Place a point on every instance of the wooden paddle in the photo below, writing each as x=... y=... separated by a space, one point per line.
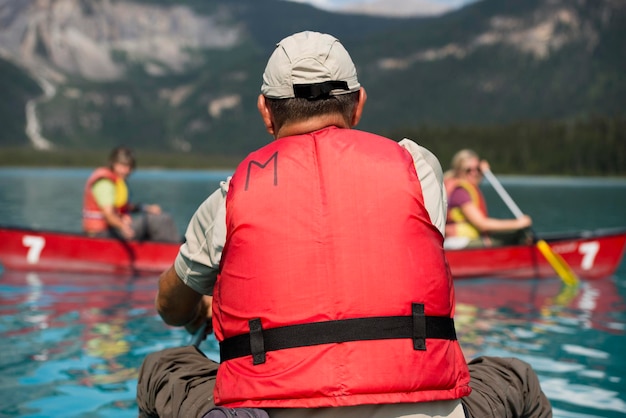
x=557 y=262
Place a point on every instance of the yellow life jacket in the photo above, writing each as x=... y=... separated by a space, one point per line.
x=457 y=224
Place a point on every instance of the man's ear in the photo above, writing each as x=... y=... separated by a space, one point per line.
x=265 y=114
x=358 y=110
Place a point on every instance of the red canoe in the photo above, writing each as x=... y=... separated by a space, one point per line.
x=34 y=250
x=591 y=254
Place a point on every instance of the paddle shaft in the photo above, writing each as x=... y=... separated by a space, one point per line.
x=198 y=336
x=503 y=194
x=560 y=266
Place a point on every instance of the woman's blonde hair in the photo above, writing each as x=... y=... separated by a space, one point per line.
x=460 y=157
x=457 y=161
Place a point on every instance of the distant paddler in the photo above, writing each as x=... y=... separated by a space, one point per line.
x=109 y=212
x=468 y=224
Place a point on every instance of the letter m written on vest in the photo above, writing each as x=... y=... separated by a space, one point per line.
x=255 y=165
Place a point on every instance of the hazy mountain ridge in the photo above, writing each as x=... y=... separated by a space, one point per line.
x=496 y=62
x=185 y=75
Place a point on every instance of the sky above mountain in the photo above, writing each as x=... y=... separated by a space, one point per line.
x=389 y=7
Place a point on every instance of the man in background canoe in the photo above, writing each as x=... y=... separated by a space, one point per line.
x=108 y=211
x=331 y=293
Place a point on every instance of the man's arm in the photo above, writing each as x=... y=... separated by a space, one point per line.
x=177 y=303
x=184 y=289
x=180 y=305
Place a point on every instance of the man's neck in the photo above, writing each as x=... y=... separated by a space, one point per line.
x=311 y=125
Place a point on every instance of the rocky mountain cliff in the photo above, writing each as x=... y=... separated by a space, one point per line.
x=184 y=75
x=97 y=40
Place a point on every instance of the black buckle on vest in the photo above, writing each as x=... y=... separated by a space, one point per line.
x=416 y=327
x=257 y=348
x=419 y=327
x=318 y=90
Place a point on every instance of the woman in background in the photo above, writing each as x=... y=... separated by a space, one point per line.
x=468 y=224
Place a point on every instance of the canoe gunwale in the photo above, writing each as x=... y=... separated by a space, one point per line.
x=76 y=252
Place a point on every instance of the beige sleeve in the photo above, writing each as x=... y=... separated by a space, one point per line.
x=430 y=175
x=199 y=257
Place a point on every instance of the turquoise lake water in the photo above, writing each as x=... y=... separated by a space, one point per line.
x=71 y=344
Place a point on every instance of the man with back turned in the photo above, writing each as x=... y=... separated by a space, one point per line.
x=320 y=263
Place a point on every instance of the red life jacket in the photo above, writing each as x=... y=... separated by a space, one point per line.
x=333 y=287
x=93 y=218
x=456 y=223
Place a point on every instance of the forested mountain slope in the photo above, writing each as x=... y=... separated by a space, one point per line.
x=184 y=75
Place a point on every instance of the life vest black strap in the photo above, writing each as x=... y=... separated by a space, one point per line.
x=417 y=327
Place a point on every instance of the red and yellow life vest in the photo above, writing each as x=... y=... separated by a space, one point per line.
x=457 y=224
x=333 y=287
x=93 y=218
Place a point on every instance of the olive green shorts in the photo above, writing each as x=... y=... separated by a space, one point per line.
x=179 y=382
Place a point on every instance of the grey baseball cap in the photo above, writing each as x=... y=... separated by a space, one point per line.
x=310 y=65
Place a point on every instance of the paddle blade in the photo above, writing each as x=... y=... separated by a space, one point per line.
x=557 y=262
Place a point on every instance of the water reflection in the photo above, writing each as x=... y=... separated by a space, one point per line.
x=71 y=339
x=572 y=337
x=78 y=340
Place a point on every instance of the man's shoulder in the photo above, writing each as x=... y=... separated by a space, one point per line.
x=419 y=152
